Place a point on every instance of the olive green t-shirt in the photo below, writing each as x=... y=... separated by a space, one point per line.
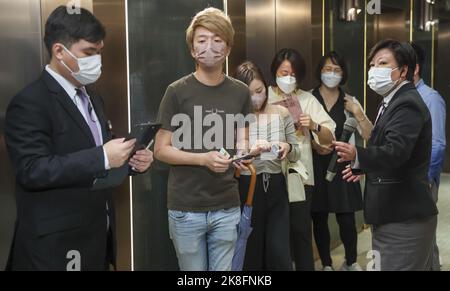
x=195 y=188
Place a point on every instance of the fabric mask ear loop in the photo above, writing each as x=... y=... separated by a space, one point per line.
x=72 y=55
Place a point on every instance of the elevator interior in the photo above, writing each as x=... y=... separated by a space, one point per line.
x=145 y=51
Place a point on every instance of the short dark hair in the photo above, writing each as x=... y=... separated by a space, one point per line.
x=296 y=60
x=420 y=54
x=336 y=59
x=69 y=28
x=403 y=52
x=249 y=71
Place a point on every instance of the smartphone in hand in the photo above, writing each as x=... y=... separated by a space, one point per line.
x=276 y=150
x=243 y=158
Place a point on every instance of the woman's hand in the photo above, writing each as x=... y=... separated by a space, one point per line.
x=346 y=151
x=348 y=175
x=243 y=165
x=284 y=150
x=306 y=121
x=352 y=105
x=260 y=146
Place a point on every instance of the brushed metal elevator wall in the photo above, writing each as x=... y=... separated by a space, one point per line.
x=20 y=64
x=275 y=24
x=272 y=25
x=113 y=87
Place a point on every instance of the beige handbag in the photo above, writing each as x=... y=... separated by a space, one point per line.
x=296 y=175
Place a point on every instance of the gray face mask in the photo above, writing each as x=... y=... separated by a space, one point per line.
x=210 y=53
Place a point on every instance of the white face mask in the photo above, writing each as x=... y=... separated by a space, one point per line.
x=380 y=80
x=287 y=84
x=90 y=68
x=331 y=80
x=258 y=101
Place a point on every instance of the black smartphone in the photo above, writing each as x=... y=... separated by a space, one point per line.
x=243 y=158
x=144 y=133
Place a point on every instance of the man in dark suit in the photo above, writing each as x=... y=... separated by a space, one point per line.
x=60 y=146
x=398 y=201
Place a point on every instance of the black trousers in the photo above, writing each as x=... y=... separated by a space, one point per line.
x=347 y=231
x=268 y=244
x=301 y=233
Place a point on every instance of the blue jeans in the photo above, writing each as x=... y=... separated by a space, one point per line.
x=204 y=241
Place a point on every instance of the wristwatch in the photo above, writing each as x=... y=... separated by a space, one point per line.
x=290 y=148
x=318 y=128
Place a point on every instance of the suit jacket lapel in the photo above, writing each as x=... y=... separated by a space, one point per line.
x=383 y=119
x=68 y=105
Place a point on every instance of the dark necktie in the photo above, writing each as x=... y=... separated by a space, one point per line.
x=381 y=110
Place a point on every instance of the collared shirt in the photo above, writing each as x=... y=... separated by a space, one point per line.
x=386 y=101
x=71 y=91
x=437 y=107
x=388 y=98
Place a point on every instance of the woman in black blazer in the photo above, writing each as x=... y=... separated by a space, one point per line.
x=398 y=201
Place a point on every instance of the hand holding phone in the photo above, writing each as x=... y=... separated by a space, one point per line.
x=215 y=161
x=276 y=150
x=243 y=158
x=281 y=150
x=241 y=163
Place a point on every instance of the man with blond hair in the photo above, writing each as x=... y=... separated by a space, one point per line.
x=203 y=196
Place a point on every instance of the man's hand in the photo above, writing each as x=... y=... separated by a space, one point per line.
x=346 y=151
x=215 y=161
x=141 y=161
x=118 y=151
x=348 y=175
x=306 y=121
